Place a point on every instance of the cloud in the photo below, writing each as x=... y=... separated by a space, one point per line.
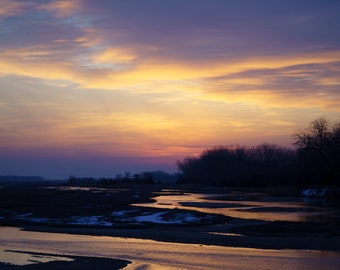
x=114 y=55
x=214 y=29
x=9 y=8
x=305 y=79
x=164 y=78
x=143 y=47
x=313 y=82
x=40 y=115
x=61 y=8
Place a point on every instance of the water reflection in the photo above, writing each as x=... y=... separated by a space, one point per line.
x=24 y=258
x=148 y=254
x=246 y=206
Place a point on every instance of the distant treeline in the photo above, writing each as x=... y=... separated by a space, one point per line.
x=315 y=161
x=143 y=178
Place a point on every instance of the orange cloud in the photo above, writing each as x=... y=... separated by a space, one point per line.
x=114 y=55
x=212 y=80
x=62 y=8
x=10 y=8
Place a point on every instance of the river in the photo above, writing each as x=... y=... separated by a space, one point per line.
x=149 y=254
x=246 y=206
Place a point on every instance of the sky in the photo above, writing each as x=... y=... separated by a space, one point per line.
x=96 y=88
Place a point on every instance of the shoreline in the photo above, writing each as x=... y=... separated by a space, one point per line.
x=33 y=207
x=73 y=262
x=198 y=236
x=216 y=235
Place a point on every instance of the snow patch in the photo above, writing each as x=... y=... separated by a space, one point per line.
x=189 y=218
x=74 y=220
x=126 y=216
x=314 y=192
x=39 y=219
x=22 y=216
x=163 y=218
x=28 y=217
x=153 y=218
x=123 y=213
x=89 y=221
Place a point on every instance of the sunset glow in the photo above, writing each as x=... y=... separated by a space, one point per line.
x=137 y=85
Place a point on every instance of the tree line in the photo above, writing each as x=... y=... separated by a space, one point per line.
x=314 y=161
x=143 y=178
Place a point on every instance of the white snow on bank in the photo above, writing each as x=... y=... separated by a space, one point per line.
x=74 y=220
x=314 y=192
x=153 y=218
x=159 y=218
x=189 y=218
x=40 y=220
x=127 y=216
x=28 y=217
x=23 y=216
x=89 y=221
x=123 y=213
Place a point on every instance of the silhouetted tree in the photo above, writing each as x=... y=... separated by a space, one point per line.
x=239 y=166
x=314 y=138
x=319 y=152
x=273 y=165
x=190 y=170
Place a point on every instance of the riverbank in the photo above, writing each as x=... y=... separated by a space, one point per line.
x=116 y=212
x=237 y=233
x=150 y=254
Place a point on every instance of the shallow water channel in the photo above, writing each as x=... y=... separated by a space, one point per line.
x=247 y=206
x=148 y=254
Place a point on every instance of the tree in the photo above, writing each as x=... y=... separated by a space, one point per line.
x=315 y=137
x=319 y=152
x=239 y=166
x=190 y=168
x=273 y=164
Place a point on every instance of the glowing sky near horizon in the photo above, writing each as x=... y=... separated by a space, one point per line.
x=100 y=87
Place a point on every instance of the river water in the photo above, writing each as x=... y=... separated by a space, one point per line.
x=239 y=206
x=149 y=254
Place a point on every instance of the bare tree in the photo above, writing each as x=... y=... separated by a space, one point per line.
x=315 y=137
x=319 y=148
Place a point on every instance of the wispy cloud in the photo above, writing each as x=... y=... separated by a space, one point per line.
x=61 y=9
x=263 y=79
x=164 y=78
x=9 y=8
